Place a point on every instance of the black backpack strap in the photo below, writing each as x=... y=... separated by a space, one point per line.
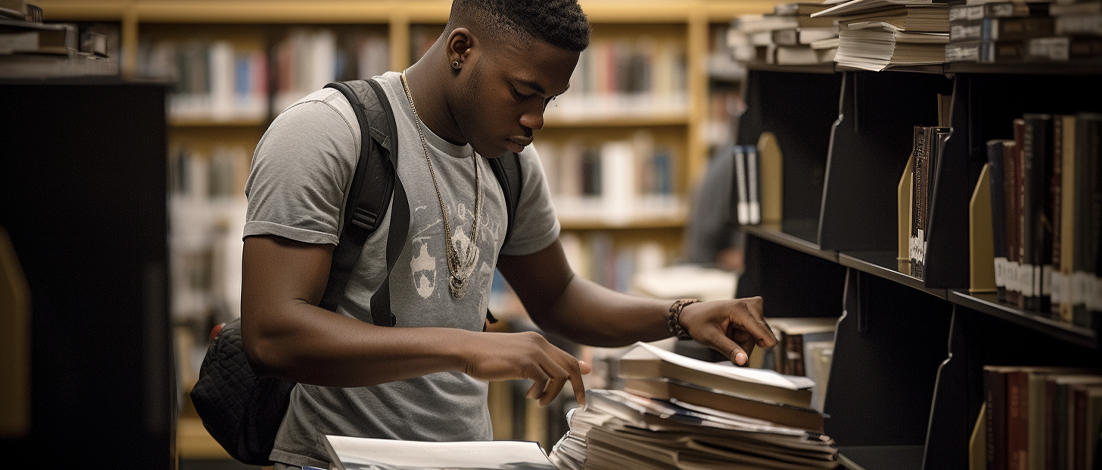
x=369 y=196
x=507 y=170
x=399 y=219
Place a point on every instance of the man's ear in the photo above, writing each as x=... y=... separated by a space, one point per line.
x=459 y=47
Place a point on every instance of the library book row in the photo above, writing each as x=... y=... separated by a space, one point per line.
x=1038 y=418
x=876 y=34
x=218 y=78
x=1035 y=214
x=614 y=181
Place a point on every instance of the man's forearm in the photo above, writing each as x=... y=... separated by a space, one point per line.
x=591 y=314
x=323 y=348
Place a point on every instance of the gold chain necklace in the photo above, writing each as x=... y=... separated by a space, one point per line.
x=460 y=268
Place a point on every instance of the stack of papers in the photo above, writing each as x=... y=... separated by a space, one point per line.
x=678 y=412
x=620 y=430
x=876 y=34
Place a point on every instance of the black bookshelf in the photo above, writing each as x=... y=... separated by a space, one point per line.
x=884 y=264
x=906 y=382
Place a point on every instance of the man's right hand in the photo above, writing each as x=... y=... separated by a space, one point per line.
x=528 y=355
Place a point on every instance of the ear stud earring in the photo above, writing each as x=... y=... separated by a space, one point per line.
x=455 y=64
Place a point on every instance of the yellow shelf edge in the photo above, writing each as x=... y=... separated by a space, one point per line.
x=357 y=11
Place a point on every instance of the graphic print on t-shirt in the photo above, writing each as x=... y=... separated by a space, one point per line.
x=423 y=265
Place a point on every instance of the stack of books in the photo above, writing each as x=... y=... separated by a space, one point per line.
x=989 y=32
x=876 y=34
x=678 y=412
x=788 y=36
x=1001 y=31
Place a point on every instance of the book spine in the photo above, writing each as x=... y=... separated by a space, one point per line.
x=992 y=52
x=1078 y=431
x=1000 y=29
x=998 y=214
x=1067 y=216
x=994 y=385
x=1056 y=195
x=1078 y=8
x=1027 y=215
x=964 y=12
x=795 y=358
x=929 y=153
x=1078 y=25
x=1086 y=275
x=1019 y=229
x=1039 y=130
x=962 y=51
x=1094 y=301
x=1051 y=425
x=1017 y=421
x=1007 y=29
x=1010 y=182
x=916 y=199
x=743 y=207
x=753 y=180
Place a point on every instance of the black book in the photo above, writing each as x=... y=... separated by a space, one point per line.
x=998 y=214
x=1036 y=210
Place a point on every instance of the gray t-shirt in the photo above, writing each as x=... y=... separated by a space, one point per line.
x=301 y=171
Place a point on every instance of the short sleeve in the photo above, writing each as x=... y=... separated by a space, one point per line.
x=301 y=171
x=536 y=226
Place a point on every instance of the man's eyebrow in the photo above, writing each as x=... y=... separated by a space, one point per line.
x=536 y=86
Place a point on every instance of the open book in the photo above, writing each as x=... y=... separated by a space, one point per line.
x=359 y=453
x=648 y=362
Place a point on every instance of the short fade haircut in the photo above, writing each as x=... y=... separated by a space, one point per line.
x=562 y=23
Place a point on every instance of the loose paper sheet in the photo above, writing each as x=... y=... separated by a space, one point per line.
x=761 y=376
x=387 y=454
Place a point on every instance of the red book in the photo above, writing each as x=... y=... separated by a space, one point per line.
x=1017 y=420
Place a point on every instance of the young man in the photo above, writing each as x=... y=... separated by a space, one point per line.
x=479 y=92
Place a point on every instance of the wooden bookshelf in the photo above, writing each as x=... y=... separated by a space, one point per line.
x=905 y=386
x=138 y=18
x=257 y=24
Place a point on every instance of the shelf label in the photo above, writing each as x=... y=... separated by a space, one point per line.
x=918 y=247
x=1011 y=272
x=1094 y=302
x=1000 y=272
x=1059 y=286
x=1026 y=278
x=1080 y=287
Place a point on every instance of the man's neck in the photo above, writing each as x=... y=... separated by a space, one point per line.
x=429 y=84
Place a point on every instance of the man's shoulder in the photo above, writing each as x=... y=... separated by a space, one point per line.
x=325 y=100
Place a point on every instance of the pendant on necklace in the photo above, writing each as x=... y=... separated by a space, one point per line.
x=458 y=287
x=461 y=269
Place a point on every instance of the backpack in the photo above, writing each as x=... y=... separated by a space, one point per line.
x=243 y=412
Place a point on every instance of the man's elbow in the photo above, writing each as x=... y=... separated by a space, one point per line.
x=263 y=352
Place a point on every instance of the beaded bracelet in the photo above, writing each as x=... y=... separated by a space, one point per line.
x=675 y=318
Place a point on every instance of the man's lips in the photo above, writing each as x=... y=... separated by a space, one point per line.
x=516 y=144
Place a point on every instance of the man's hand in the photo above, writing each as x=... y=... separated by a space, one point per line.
x=731 y=327
x=528 y=355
